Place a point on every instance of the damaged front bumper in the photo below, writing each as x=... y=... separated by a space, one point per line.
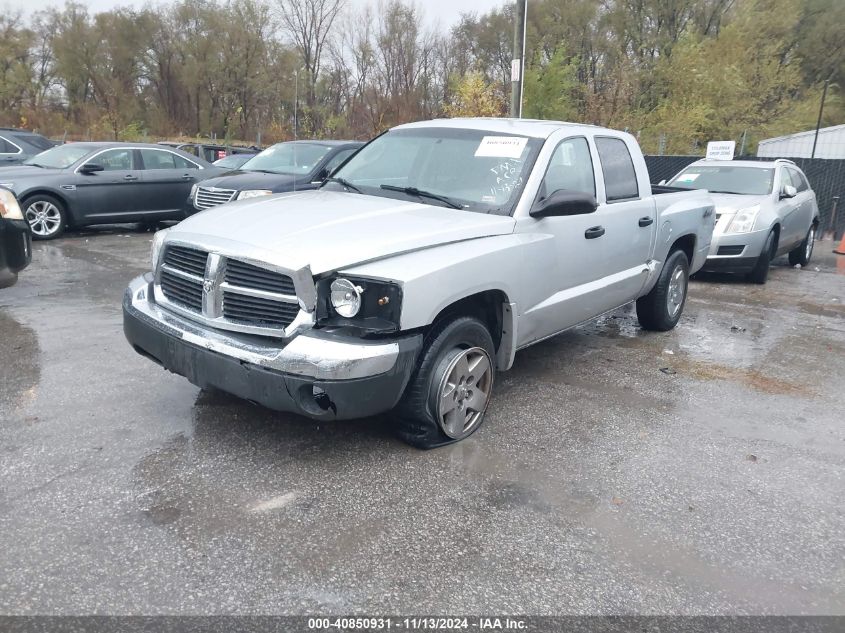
x=317 y=374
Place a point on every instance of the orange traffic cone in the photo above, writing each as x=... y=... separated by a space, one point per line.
x=840 y=250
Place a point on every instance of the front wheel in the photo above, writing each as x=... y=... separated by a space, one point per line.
x=661 y=309
x=447 y=397
x=46 y=216
x=804 y=252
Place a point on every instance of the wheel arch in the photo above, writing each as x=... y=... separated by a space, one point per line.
x=685 y=243
x=44 y=191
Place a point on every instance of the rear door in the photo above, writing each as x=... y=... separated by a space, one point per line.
x=167 y=180
x=114 y=193
x=805 y=198
x=10 y=153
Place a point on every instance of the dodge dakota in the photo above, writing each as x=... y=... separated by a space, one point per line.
x=415 y=273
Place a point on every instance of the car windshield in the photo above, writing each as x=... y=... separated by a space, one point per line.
x=752 y=181
x=59 y=157
x=287 y=158
x=475 y=170
x=233 y=161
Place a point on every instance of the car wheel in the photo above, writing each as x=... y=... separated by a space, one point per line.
x=447 y=397
x=661 y=309
x=760 y=273
x=46 y=217
x=804 y=252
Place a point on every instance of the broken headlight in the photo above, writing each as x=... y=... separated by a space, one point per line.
x=368 y=304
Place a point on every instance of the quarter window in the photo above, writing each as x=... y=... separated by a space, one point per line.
x=7 y=148
x=798 y=180
x=159 y=159
x=620 y=177
x=115 y=160
x=570 y=168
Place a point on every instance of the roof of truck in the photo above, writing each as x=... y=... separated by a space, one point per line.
x=527 y=127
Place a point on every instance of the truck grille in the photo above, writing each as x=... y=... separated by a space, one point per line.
x=207 y=197
x=249 y=276
x=249 y=296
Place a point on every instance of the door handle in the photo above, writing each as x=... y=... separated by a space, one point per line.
x=594 y=232
x=186 y=176
x=130 y=177
x=646 y=221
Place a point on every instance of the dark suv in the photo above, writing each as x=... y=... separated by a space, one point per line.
x=18 y=145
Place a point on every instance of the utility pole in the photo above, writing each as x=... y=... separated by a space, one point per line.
x=819 y=122
x=518 y=63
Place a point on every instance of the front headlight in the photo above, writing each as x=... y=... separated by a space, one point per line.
x=367 y=304
x=743 y=221
x=9 y=207
x=194 y=188
x=253 y=193
x=155 y=251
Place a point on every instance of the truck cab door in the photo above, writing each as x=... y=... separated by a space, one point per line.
x=787 y=209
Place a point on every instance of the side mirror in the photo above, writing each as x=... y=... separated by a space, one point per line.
x=320 y=177
x=788 y=191
x=90 y=168
x=564 y=202
x=662 y=182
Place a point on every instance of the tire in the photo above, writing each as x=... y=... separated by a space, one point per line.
x=804 y=252
x=760 y=272
x=46 y=216
x=427 y=417
x=661 y=309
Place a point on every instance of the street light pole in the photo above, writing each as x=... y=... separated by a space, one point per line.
x=819 y=122
x=518 y=63
x=295 y=99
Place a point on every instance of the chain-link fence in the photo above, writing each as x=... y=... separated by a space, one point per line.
x=826 y=176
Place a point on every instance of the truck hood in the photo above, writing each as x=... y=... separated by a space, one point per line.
x=329 y=230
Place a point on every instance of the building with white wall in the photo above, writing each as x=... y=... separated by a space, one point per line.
x=831 y=144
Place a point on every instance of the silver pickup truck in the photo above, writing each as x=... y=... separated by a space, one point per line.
x=417 y=271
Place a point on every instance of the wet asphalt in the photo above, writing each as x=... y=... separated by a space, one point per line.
x=694 y=472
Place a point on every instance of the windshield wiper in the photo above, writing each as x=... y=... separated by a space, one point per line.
x=344 y=182
x=413 y=191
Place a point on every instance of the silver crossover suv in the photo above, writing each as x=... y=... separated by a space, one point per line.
x=763 y=209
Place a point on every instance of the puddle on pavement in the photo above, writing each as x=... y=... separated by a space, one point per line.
x=20 y=366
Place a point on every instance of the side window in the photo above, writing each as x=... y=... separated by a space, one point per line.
x=798 y=180
x=784 y=179
x=337 y=159
x=620 y=177
x=570 y=167
x=6 y=147
x=115 y=160
x=157 y=159
x=183 y=163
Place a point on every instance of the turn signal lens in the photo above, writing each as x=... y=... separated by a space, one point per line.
x=9 y=207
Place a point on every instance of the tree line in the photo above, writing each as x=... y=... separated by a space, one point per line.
x=676 y=73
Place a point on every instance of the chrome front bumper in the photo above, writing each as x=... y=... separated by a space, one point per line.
x=359 y=377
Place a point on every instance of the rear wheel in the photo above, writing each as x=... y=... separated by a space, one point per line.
x=804 y=252
x=661 y=309
x=760 y=273
x=448 y=395
x=46 y=216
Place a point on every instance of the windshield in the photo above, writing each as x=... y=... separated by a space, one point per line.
x=752 y=181
x=59 y=157
x=477 y=170
x=233 y=161
x=287 y=158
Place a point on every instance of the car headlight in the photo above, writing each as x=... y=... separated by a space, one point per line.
x=253 y=193
x=368 y=304
x=194 y=188
x=158 y=242
x=9 y=207
x=743 y=220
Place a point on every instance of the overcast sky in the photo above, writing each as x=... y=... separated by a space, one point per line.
x=444 y=11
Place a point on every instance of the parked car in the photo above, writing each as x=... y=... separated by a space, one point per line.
x=210 y=152
x=294 y=165
x=16 y=145
x=79 y=184
x=763 y=209
x=232 y=161
x=417 y=271
x=15 y=240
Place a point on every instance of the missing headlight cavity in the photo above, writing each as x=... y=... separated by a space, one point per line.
x=322 y=399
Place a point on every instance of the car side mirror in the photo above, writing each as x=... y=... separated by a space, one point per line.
x=788 y=191
x=564 y=202
x=90 y=168
x=320 y=177
x=662 y=182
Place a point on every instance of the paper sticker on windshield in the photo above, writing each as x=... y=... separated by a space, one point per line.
x=687 y=177
x=501 y=146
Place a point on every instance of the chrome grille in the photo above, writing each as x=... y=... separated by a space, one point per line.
x=188 y=260
x=183 y=291
x=249 y=276
x=258 y=310
x=207 y=197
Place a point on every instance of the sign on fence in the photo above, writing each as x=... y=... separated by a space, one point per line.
x=721 y=150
